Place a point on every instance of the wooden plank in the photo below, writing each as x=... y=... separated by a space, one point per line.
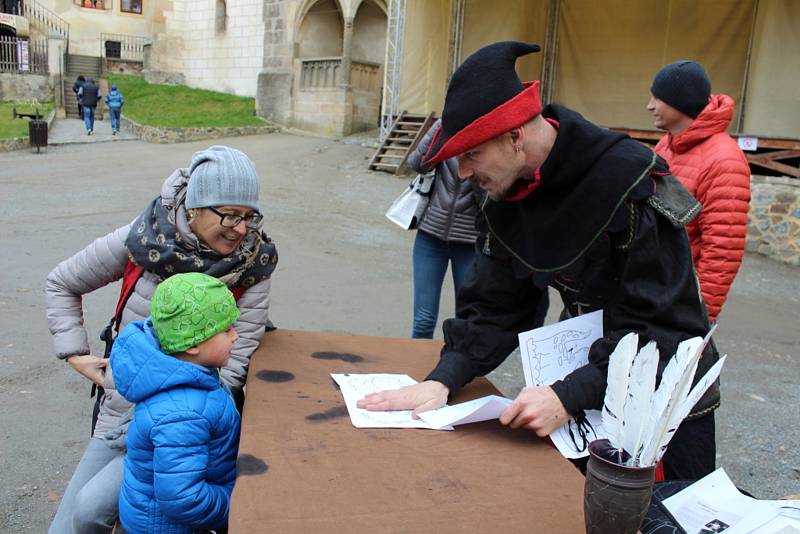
x=429 y=120
x=385 y=143
x=781 y=143
x=648 y=135
x=303 y=467
x=779 y=154
x=778 y=143
x=773 y=165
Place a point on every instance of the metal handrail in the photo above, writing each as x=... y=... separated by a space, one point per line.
x=131 y=46
x=38 y=14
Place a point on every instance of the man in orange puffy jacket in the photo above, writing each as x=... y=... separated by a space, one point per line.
x=711 y=166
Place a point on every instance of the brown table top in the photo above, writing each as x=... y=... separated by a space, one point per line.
x=303 y=467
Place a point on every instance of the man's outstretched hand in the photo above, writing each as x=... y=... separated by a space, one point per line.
x=428 y=395
x=538 y=409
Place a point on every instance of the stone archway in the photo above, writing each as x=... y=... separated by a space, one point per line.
x=338 y=49
x=320 y=30
x=368 y=51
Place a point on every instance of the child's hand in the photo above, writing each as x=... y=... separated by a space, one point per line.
x=90 y=366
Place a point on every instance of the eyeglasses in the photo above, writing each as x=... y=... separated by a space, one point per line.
x=229 y=220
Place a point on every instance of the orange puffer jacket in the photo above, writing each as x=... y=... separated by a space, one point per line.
x=713 y=168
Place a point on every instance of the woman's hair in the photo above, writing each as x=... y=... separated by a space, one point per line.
x=81 y=78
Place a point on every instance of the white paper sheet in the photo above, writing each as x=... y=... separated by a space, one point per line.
x=355 y=386
x=577 y=445
x=713 y=504
x=550 y=353
x=474 y=411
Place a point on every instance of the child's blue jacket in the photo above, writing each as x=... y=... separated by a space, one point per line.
x=115 y=100
x=182 y=444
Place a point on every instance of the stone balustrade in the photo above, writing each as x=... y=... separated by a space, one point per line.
x=325 y=73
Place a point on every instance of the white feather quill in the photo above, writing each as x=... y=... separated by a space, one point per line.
x=694 y=396
x=641 y=385
x=676 y=382
x=619 y=365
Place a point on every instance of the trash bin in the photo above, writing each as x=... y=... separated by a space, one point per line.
x=37 y=133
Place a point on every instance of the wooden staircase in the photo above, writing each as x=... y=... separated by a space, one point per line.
x=406 y=132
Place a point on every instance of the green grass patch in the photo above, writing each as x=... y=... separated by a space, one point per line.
x=10 y=127
x=178 y=106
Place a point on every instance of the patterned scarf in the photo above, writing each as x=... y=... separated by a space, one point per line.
x=161 y=242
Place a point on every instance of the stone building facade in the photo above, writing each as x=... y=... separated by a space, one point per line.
x=313 y=64
x=209 y=44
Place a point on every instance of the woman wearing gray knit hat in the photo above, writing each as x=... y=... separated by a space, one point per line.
x=205 y=220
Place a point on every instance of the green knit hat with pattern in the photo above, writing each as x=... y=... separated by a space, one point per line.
x=189 y=308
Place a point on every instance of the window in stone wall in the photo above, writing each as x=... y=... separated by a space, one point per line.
x=131 y=6
x=95 y=4
x=221 y=19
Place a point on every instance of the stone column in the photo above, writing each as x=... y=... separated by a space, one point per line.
x=56 y=46
x=347 y=53
x=274 y=91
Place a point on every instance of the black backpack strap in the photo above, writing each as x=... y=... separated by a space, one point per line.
x=129 y=278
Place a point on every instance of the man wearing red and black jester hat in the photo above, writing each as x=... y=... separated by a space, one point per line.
x=572 y=206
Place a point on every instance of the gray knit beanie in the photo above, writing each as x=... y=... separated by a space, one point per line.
x=684 y=85
x=222 y=176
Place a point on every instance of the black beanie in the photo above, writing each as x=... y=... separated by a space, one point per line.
x=684 y=85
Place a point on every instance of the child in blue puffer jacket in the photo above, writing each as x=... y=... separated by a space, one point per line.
x=115 y=101
x=180 y=467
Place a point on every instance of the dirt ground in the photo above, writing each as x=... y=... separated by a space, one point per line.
x=343 y=268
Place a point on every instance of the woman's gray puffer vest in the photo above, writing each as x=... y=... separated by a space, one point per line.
x=453 y=205
x=103 y=262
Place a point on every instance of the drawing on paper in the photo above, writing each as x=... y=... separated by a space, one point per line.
x=567 y=349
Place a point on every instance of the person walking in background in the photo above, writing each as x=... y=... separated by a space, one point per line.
x=90 y=95
x=79 y=82
x=711 y=166
x=445 y=235
x=115 y=101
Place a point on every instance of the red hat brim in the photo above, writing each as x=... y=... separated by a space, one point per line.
x=505 y=117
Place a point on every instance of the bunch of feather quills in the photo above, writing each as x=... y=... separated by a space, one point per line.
x=639 y=419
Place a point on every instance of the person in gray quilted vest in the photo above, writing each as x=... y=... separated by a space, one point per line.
x=446 y=235
x=206 y=219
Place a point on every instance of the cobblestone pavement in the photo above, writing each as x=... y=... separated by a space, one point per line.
x=343 y=268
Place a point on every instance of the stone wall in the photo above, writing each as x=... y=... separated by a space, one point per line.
x=210 y=54
x=154 y=134
x=366 y=110
x=336 y=112
x=774 y=226
x=25 y=87
x=118 y=66
x=324 y=111
x=8 y=144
